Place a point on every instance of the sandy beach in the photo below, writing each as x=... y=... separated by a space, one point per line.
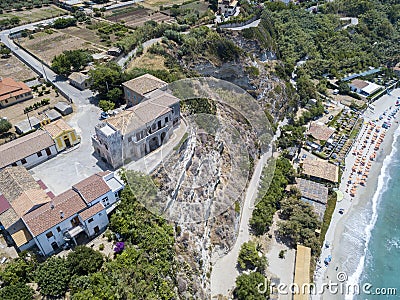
x=358 y=184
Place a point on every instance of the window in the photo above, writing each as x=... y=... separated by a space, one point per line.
x=90 y=220
x=39 y=154
x=6 y=101
x=129 y=139
x=14 y=164
x=23 y=161
x=166 y=120
x=105 y=201
x=48 y=152
x=49 y=234
x=58 y=229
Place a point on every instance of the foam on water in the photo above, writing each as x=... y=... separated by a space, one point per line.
x=383 y=179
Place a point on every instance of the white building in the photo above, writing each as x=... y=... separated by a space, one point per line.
x=227 y=7
x=27 y=151
x=31 y=217
x=364 y=88
x=140 y=129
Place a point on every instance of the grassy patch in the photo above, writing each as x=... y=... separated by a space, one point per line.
x=183 y=139
x=330 y=208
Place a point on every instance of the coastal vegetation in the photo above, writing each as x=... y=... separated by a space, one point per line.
x=145 y=269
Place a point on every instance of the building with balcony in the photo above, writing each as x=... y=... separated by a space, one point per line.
x=138 y=130
x=30 y=217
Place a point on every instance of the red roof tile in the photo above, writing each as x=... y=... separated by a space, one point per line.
x=91 y=211
x=49 y=214
x=92 y=187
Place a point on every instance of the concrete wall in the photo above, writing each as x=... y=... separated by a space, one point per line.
x=131 y=97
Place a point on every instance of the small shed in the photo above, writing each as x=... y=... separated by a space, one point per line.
x=53 y=115
x=114 y=51
x=27 y=125
x=63 y=108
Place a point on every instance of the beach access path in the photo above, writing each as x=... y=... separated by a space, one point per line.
x=325 y=273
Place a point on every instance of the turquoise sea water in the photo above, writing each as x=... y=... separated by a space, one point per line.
x=381 y=266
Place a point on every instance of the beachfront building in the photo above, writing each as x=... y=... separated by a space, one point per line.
x=12 y=92
x=302 y=272
x=313 y=193
x=28 y=151
x=140 y=129
x=227 y=7
x=63 y=135
x=31 y=218
x=319 y=169
x=320 y=131
x=364 y=88
x=138 y=89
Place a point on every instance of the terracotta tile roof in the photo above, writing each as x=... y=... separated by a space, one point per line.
x=320 y=131
x=11 y=88
x=360 y=84
x=9 y=217
x=21 y=192
x=57 y=127
x=321 y=169
x=91 y=211
x=28 y=200
x=143 y=114
x=24 y=146
x=48 y=215
x=92 y=187
x=144 y=84
x=16 y=180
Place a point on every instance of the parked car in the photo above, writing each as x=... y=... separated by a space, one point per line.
x=330 y=117
x=104 y=115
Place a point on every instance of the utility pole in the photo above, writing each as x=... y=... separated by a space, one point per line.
x=27 y=114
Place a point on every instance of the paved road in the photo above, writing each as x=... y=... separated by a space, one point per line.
x=70 y=92
x=252 y=24
x=122 y=62
x=224 y=271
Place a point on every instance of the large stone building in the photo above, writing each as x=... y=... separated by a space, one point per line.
x=12 y=92
x=138 y=130
x=30 y=217
x=140 y=88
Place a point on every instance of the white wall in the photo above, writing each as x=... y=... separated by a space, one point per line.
x=34 y=159
x=100 y=219
x=44 y=243
x=111 y=199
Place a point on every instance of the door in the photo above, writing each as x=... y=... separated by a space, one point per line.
x=48 y=152
x=75 y=221
x=67 y=141
x=54 y=245
x=96 y=230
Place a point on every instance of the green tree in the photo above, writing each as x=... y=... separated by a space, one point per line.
x=114 y=95
x=53 y=277
x=249 y=258
x=106 y=77
x=251 y=287
x=70 y=61
x=106 y=105
x=5 y=126
x=18 y=291
x=84 y=260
